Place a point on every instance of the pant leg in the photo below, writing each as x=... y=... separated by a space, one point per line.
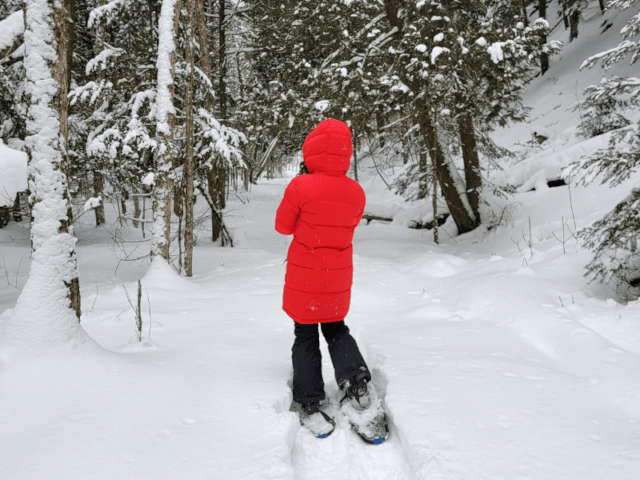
x=345 y=355
x=308 y=385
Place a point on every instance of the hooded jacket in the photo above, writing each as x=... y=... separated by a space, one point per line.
x=321 y=210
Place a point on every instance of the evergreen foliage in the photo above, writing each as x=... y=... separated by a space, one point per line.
x=614 y=239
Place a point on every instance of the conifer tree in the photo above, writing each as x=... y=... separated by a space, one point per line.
x=614 y=238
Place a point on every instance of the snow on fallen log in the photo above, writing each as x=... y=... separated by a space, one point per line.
x=13 y=165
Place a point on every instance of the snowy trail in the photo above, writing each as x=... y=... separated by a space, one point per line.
x=343 y=455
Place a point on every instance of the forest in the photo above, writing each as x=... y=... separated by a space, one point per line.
x=144 y=147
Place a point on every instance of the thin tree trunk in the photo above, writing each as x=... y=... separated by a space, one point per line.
x=168 y=26
x=525 y=16
x=422 y=178
x=473 y=177
x=544 y=57
x=565 y=19
x=602 y=6
x=222 y=48
x=98 y=187
x=203 y=40
x=188 y=160
x=355 y=156
x=136 y=209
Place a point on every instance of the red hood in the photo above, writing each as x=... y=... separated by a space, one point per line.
x=327 y=149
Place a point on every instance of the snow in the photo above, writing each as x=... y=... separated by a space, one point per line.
x=495 y=50
x=476 y=345
x=13 y=165
x=493 y=356
x=11 y=28
x=92 y=203
x=436 y=52
x=149 y=179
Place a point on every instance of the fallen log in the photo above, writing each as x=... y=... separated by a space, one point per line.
x=368 y=217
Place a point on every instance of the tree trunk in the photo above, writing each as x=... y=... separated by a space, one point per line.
x=574 y=19
x=544 y=57
x=203 y=40
x=216 y=187
x=448 y=177
x=525 y=16
x=602 y=6
x=136 y=208
x=381 y=122
x=355 y=155
x=223 y=67
x=188 y=160
x=565 y=19
x=473 y=177
x=48 y=309
x=422 y=179
x=98 y=187
x=456 y=201
x=165 y=127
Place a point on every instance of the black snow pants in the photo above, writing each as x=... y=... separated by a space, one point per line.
x=308 y=386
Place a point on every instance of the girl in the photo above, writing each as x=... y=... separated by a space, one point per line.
x=322 y=209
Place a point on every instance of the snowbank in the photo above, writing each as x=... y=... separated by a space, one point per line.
x=13 y=165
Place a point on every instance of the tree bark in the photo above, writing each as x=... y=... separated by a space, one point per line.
x=422 y=179
x=473 y=177
x=188 y=160
x=98 y=187
x=544 y=57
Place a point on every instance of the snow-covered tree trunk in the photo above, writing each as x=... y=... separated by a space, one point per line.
x=48 y=310
x=165 y=127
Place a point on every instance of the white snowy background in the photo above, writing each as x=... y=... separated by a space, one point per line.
x=495 y=357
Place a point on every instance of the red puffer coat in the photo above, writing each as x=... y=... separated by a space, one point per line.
x=322 y=210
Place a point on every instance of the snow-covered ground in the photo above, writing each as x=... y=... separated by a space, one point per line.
x=495 y=358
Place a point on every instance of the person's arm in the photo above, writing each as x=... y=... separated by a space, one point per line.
x=288 y=211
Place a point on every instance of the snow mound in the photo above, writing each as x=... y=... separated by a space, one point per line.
x=13 y=165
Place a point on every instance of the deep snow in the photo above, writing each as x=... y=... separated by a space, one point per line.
x=495 y=358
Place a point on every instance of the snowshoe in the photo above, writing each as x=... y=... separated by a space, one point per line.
x=314 y=419
x=363 y=408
